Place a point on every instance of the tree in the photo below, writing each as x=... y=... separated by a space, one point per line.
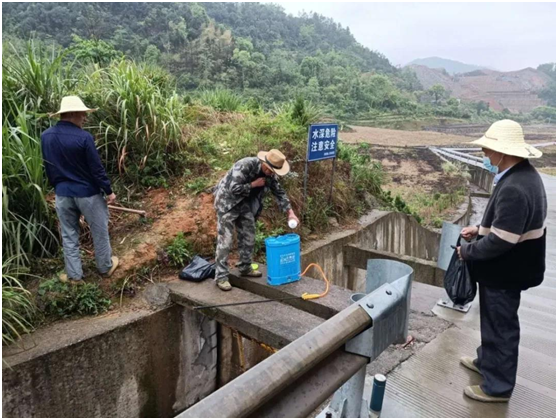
x=544 y=113
x=97 y=51
x=152 y=54
x=481 y=106
x=548 y=93
x=437 y=92
x=408 y=80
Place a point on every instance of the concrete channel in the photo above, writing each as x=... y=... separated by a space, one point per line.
x=159 y=362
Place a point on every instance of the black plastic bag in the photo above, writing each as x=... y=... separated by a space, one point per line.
x=457 y=281
x=198 y=270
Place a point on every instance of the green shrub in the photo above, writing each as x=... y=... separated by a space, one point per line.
x=397 y=203
x=262 y=233
x=366 y=175
x=318 y=211
x=63 y=299
x=198 y=185
x=180 y=250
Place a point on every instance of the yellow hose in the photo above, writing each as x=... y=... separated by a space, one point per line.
x=308 y=296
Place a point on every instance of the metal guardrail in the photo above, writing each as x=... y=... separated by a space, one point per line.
x=294 y=381
x=471 y=161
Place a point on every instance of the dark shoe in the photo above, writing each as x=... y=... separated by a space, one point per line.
x=476 y=393
x=469 y=363
x=224 y=285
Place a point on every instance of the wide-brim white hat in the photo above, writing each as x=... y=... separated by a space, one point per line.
x=506 y=136
x=72 y=104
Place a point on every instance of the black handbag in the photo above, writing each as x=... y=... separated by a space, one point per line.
x=459 y=286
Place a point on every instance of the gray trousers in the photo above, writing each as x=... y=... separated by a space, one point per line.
x=95 y=211
x=241 y=217
x=499 y=351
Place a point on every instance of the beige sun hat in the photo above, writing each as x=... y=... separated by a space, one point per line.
x=506 y=136
x=276 y=161
x=72 y=104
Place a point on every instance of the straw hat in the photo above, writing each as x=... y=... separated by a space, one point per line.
x=72 y=104
x=276 y=161
x=506 y=136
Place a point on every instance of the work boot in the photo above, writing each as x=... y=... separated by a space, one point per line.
x=224 y=285
x=115 y=263
x=63 y=277
x=250 y=273
x=476 y=393
x=469 y=363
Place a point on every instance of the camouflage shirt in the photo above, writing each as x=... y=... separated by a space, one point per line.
x=235 y=187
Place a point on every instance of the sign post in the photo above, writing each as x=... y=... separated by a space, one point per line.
x=322 y=144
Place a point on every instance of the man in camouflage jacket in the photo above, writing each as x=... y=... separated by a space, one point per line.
x=239 y=201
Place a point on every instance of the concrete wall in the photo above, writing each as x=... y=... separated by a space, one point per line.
x=385 y=231
x=151 y=364
x=426 y=272
x=481 y=178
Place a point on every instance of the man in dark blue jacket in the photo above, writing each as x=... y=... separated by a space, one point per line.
x=74 y=169
x=508 y=256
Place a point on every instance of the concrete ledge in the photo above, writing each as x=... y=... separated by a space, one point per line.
x=426 y=272
x=335 y=301
x=273 y=323
x=480 y=194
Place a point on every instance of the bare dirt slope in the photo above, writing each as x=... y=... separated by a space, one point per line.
x=515 y=90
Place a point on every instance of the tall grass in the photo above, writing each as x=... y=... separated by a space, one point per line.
x=138 y=124
x=17 y=306
x=27 y=220
x=37 y=77
x=222 y=100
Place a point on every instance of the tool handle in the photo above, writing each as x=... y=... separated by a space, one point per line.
x=126 y=210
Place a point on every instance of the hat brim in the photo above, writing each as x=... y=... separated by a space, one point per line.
x=284 y=170
x=64 y=111
x=524 y=151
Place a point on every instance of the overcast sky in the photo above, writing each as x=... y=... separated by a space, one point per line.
x=503 y=36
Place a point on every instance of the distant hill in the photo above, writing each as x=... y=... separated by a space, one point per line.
x=515 y=90
x=451 y=66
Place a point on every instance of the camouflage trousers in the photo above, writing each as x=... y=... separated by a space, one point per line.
x=241 y=217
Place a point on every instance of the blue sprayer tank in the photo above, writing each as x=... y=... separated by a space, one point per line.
x=283 y=259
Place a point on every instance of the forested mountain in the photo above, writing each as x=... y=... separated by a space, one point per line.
x=133 y=27
x=249 y=47
x=254 y=49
